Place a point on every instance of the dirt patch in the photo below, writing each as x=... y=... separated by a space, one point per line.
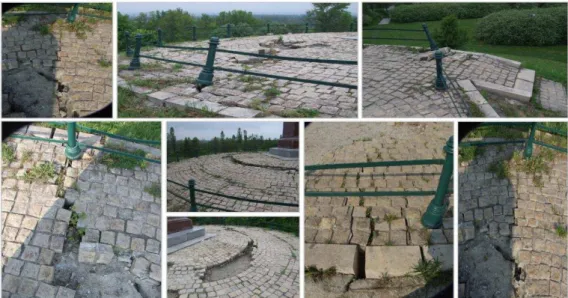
x=232 y=267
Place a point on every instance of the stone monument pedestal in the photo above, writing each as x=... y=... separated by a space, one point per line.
x=288 y=143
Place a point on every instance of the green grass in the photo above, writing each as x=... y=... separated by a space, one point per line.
x=137 y=130
x=104 y=63
x=319 y=274
x=8 y=154
x=131 y=106
x=561 y=231
x=154 y=190
x=43 y=29
x=300 y=113
x=119 y=161
x=548 y=62
x=470 y=153
x=499 y=168
x=429 y=270
x=40 y=173
x=177 y=67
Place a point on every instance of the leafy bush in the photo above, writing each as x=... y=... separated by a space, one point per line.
x=449 y=34
x=423 y=12
x=242 y=30
x=527 y=27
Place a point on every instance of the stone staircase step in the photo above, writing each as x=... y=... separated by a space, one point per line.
x=191 y=242
x=478 y=99
x=344 y=258
x=185 y=235
x=518 y=94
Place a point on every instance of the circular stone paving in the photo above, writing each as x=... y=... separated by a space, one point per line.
x=230 y=174
x=272 y=267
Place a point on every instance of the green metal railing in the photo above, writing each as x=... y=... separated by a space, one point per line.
x=428 y=36
x=205 y=78
x=193 y=205
x=71 y=10
x=432 y=218
x=529 y=142
x=74 y=149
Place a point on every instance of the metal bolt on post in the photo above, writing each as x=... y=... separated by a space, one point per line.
x=433 y=216
x=72 y=151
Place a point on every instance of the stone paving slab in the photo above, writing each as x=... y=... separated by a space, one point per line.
x=57 y=74
x=219 y=173
x=231 y=91
x=273 y=272
x=552 y=96
x=345 y=258
x=383 y=261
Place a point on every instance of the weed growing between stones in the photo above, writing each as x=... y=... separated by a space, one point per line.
x=104 y=63
x=474 y=110
x=431 y=272
x=40 y=173
x=470 y=153
x=8 y=154
x=390 y=218
x=74 y=234
x=537 y=165
x=113 y=160
x=300 y=113
x=177 y=67
x=500 y=168
x=43 y=29
x=26 y=156
x=154 y=190
x=319 y=274
x=561 y=231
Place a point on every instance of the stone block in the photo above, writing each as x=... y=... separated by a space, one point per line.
x=344 y=258
x=140 y=267
x=87 y=252
x=46 y=291
x=443 y=253
x=391 y=260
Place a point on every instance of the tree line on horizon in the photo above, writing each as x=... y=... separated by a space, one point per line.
x=178 y=149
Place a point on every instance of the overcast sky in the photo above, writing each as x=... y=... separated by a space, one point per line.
x=209 y=130
x=198 y=8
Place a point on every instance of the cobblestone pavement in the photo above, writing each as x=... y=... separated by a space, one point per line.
x=220 y=173
x=384 y=233
x=233 y=90
x=58 y=74
x=397 y=83
x=508 y=244
x=273 y=271
x=44 y=252
x=552 y=96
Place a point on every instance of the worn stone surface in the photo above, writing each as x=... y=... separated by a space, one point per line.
x=508 y=239
x=59 y=74
x=257 y=176
x=552 y=96
x=385 y=226
x=344 y=258
x=274 y=270
x=232 y=90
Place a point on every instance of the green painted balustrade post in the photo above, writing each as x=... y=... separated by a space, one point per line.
x=135 y=62
x=228 y=30
x=432 y=218
x=193 y=205
x=206 y=75
x=440 y=80
x=194 y=33
x=433 y=46
x=307 y=25
x=128 y=48
x=72 y=151
x=160 y=37
x=73 y=13
x=268 y=28
x=351 y=27
x=530 y=141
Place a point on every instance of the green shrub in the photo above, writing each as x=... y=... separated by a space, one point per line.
x=526 y=27
x=449 y=34
x=423 y=12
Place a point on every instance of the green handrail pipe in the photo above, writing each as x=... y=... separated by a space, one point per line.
x=72 y=151
x=135 y=62
x=193 y=205
x=433 y=46
x=530 y=141
x=433 y=216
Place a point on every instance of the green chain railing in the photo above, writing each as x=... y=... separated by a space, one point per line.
x=205 y=78
x=74 y=149
x=193 y=203
x=529 y=142
x=71 y=10
x=432 y=218
x=424 y=29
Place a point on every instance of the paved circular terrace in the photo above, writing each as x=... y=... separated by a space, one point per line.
x=272 y=272
x=246 y=97
x=398 y=81
x=387 y=229
x=57 y=74
x=221 y=174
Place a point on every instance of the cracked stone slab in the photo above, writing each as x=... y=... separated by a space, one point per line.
x=390 y=260
x=344 y=258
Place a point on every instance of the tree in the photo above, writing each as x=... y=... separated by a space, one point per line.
x=195 y=147
x=330 y=17
x=221 y=142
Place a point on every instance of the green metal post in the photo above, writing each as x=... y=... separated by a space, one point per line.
x=128 y=48
x=351 y=27
x=160 y=37
x=72 y=151
x=73 y=13
x=440 y=80
x=268 y=28
x=307 y=25
x=135 y=62
x=432 y=218
x=433 y=46
x=228 y=30
x=206 y=76
x=193 y=205
x=194 y=33
x=529 y=146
